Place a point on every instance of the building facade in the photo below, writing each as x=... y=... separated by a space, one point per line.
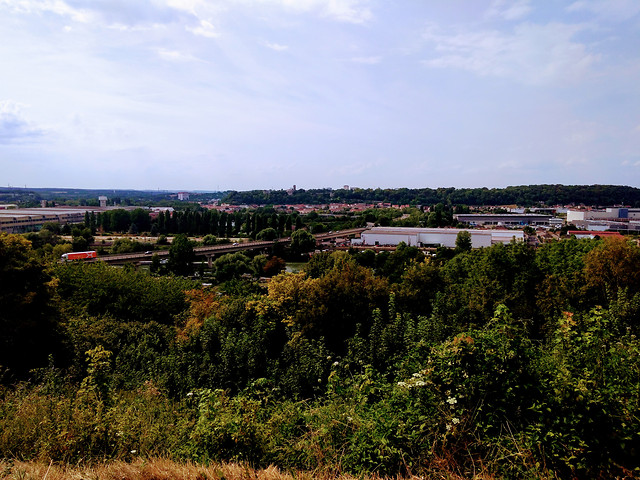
x=434 y=237
x=503 y=220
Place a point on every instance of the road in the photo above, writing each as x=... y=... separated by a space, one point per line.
x=215 y=250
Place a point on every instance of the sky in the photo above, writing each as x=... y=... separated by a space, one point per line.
x=266 y=94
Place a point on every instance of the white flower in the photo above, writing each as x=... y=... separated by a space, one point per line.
x=134 y=451
x=452 y=400
x=455 y=421
x=335 y=364
x=190 y=394
x=416 y=375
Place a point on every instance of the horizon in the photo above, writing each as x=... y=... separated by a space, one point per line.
x=233 y=95
x=298 y=188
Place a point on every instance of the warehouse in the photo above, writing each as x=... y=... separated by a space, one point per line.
x=434 y=237
x=505 y=219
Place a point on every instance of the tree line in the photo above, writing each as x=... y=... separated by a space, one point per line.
x=524 y=195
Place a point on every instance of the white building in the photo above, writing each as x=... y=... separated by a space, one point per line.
x=435 y=237
x=503 y=219
x=607 y=214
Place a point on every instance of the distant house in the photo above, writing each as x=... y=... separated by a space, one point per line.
x=184 y=196
x=591 y=234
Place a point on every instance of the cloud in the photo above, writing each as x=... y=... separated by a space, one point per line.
x=14 y=127
x=276 y=46
x=176 y=56
x=629 y=163
x=616 y=10
x=39 y=7
x=509 y=10
x=351 y=11
x=114 y=14
x=348 y=11
x=531 y=54
x=205 y=29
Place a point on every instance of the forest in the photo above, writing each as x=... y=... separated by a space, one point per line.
x=507 y=361
x=525 y=195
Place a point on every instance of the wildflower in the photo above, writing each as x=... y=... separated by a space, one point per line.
x=190 y=394
x=448 y=427
x=402 y=384
x=452 y=400
x=420 y=383
x=134 y=451
x=455 y=421
x=416 y=375
x=335 y=364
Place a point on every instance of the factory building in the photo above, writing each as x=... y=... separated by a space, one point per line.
x=503 y=220
x=434 y=237
x=615 y=218
x=611 y=214
x=22 y=220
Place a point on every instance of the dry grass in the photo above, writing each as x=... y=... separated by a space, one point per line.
x=162 y=469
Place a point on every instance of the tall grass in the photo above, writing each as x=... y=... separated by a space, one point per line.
x=164 y=469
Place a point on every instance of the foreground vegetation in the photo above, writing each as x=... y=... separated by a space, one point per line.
x=505 y=361
x=163 y=469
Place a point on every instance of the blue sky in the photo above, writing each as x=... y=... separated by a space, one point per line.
x=244 y=94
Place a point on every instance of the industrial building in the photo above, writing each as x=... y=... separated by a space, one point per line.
x=614 y=218
x=612 y=214
x=503 y=219
x=21 y=220
x=434 y=237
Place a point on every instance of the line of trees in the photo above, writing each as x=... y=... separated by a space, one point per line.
x=193 y=222
x=524 y=195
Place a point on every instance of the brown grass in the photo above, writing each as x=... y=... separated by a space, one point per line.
x=162 y=469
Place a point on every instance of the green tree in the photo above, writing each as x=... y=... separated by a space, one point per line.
x=181 y=256
x=209 y=240
x=463 y=242
x=302 y=242
x=267 y=234
x=231 y=265
x=613 y=264
x=28 y=317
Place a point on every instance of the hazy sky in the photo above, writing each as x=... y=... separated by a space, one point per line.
x=243 y=94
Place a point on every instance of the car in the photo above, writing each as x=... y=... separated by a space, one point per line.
x=148 y=252
x=235 y=243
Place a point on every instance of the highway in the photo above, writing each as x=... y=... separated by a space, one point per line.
x=216 y=250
